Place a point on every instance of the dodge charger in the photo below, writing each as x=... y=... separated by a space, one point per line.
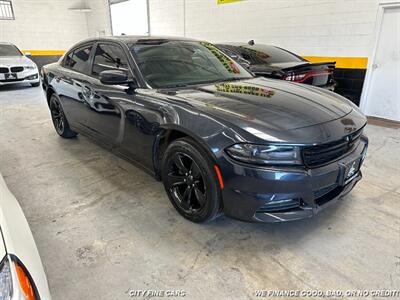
x=220 y=139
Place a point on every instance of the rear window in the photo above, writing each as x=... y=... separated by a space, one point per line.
x=9 y=50
x=261 y=54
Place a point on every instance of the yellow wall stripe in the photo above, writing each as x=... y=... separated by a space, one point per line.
x=227 y=1
x=342 y=62
x=45 y=52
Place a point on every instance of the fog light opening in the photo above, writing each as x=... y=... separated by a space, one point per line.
x=32 y=77
x=280 y=205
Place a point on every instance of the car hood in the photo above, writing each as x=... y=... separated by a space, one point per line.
x=9 y=61
x=267 y=103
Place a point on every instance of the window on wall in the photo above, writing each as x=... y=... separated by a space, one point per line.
x=6 y=10
x=129 y=17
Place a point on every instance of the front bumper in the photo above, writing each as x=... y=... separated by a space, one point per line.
x=26 y=76
x=248 y=190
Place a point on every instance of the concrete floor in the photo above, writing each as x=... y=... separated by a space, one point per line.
x=103 y=226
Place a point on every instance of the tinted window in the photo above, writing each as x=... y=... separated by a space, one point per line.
x=80 y=59
x=67 y=59
x=166 y=63
x=9 y=50
x=261 y=54
x=109 y=57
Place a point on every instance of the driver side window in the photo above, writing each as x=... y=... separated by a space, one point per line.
x=109 y=57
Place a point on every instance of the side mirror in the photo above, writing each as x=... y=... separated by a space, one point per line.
x=28 y=54
x=111 y=77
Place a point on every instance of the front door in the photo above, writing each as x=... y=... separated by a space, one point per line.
x=104 y=111
x=381 y=95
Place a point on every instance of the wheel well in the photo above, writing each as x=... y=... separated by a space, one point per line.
x=49 y=92
x=167 y=138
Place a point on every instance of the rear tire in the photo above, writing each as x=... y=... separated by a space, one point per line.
x=59 y=120
x=190 y=181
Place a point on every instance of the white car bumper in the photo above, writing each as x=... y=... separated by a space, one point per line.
x=25 y=76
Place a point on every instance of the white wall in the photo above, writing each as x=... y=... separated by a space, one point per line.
x=51 y=25
x=99 y=19
x=307 y=27
x=41 y=24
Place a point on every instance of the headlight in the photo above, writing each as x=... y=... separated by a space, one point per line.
x=15 y=281
x=5 y=279
x=30 y=67
x=266 y=154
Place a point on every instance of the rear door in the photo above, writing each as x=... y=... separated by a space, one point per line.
x=70 y=83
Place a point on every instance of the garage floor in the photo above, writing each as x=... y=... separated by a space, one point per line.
x=104 y=227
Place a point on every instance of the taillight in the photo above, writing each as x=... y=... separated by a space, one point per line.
x=301 y=77
x=295 y=77
x=25 y=283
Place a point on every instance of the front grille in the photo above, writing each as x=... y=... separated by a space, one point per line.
x=3 y=70
x=12 y=80
x=17 y=69
x=322 y=154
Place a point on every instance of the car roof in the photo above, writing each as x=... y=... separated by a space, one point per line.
x=131 y=39
x=6 y=43
x=237 y=44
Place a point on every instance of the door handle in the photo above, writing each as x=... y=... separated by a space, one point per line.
x=375 y=66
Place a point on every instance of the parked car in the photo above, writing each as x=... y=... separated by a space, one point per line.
x=220 y=139
x=15 y=67
x=21 y=271
x=274 y=62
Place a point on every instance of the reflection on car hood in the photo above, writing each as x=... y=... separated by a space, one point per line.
x=9 y=61
x=268 y=103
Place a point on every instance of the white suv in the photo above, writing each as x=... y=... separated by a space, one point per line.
x=15 y=67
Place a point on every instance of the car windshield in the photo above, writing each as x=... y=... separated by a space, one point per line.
x=9 y=50
x=166 y=64
x=261 y=54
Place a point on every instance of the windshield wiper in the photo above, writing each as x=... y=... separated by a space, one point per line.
x=171 y=86
x=235 y=79
x=202 y=82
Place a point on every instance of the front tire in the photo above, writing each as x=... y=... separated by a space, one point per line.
x=59 y=120
x=190 y=181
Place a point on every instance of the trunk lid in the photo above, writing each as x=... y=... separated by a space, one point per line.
x=318 y=74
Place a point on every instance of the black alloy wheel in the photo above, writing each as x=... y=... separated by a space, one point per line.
x=186 y=183
x=59 y=120
x=190 y=181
